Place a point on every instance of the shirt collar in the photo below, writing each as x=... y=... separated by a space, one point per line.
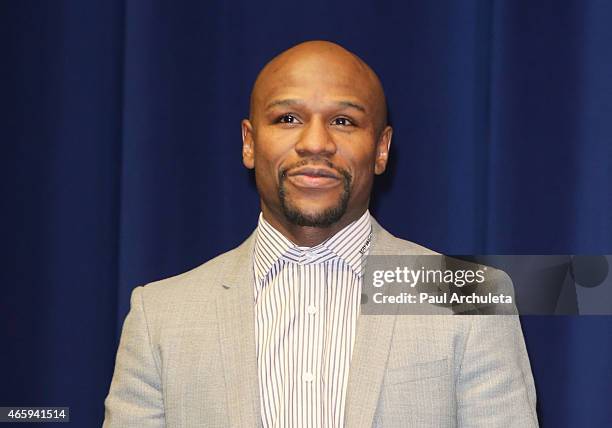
x=350 y=244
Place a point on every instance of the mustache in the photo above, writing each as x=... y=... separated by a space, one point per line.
x=314 y=162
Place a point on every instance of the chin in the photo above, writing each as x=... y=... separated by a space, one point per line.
x=309 y=216
x=317 y=209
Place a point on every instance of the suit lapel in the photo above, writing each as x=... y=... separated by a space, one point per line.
x=237 y=339
x=368 y=363
x=370 y=353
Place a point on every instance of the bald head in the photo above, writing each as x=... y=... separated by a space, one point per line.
x=323 y=64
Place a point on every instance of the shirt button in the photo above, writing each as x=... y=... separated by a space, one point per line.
x=308 y=377
x=312 y=310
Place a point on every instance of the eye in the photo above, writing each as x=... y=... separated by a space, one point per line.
x=287 y=118
x=342 y=121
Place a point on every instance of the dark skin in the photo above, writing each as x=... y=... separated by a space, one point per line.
x=318 y=131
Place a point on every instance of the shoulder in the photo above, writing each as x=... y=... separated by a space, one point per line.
x=384 y=243
x=203 y=281
x=496 y=281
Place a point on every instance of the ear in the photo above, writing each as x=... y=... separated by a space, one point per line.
x=382 y=150
x=248 y=152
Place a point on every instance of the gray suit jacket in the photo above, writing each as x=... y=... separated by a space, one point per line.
x=187 y=358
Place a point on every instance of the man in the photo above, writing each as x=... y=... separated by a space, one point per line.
x=270 y=334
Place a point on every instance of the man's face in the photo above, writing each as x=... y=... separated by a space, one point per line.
x=314 y=139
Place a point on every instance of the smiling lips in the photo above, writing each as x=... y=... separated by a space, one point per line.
x=314 y=178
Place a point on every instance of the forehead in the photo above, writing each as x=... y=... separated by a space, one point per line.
x=315 y=78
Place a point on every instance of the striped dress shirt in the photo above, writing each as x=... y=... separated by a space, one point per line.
x=306 y=308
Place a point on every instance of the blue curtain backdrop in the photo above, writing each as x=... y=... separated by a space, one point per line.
x=121 y=161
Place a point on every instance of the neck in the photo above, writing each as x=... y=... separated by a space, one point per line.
x=306 y=236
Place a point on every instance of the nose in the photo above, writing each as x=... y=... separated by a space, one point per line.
x=315 y=139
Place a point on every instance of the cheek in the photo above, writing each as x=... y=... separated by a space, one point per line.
x=269 y=157
x=265 y=173
x=361 y=165
x=363 y=181
x=271 y=147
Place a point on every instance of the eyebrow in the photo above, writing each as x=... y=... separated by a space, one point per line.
x=293 y=102
x=352 y=105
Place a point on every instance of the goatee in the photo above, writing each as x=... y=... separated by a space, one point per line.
x=321 y=219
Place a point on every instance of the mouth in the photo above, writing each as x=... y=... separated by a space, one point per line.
x=314 y=178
